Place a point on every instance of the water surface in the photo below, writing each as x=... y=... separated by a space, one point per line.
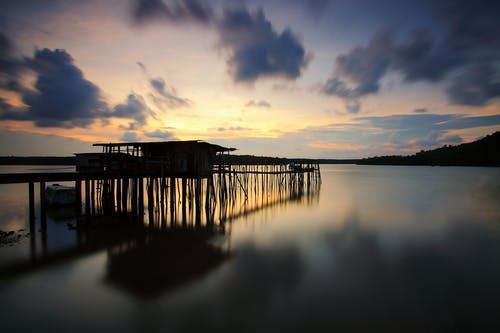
x=378 y=248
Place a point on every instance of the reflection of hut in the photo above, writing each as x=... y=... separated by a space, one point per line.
x=188 y=159
x=162 y=261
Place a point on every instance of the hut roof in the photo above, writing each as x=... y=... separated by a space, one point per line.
x=166 y=145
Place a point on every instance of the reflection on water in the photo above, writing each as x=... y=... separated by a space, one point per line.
x=161 y=261
x=381 y=249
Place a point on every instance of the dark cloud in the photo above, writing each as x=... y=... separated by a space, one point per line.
x=141 y=66
x=420 y=57
x=358 y=72
x=257 y=50
x=146 y=11
x=10 y=66
x=168 y=95
x=134 y=108
x=362 y=68
x=420 y=110
x=468 y=41
x=5 y=57
x=62 y=96
x=258 y=104
x=475 y=86
x=161 y=134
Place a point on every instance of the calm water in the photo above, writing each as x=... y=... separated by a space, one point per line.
x=377 y=249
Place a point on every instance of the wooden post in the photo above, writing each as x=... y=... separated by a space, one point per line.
x=141 y=196
x=183 y=200
x=92 y=195
x=119 y=195
x=172 y=200
x=197 y=201
x=43 y=212
x=149 y=188
x=43 y=217
x=125 y=195
x=87 y=197
x=106 y=204
x=134 y=195
x=31 y=190
x=78 y=192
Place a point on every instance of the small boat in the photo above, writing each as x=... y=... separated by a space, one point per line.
x=56 y=194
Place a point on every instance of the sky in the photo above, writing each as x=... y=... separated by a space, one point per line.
x=313 y=79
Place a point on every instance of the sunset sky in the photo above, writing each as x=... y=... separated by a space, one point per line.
x=318 y=78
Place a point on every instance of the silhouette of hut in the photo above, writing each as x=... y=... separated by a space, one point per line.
x=186 y=159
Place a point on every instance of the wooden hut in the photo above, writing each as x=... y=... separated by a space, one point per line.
x=186 y=159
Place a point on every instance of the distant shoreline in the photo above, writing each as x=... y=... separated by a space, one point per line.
x=37 y=160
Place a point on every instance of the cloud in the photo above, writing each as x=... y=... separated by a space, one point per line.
x=233 y=129
x=467 y=43
x=359 y=71
x=425 y=130
x=435 y=139
x=256 y=49
x=161 y=134
x=134 y=108
x=146 y=11
x=9 y=65
x=62 y=96
x=475 y=86
x=387 y=135
x=130 y=137
x=335 y=146
x=141 y=66
x=258 y=104
x=420 y=110
x=168 y=95
x=5 y=108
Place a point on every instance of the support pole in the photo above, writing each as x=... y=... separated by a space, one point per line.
x=43 y=210
x=78 y=192
x=31 y=190
x=141 y=196
x=43 y=218
x=87 y=197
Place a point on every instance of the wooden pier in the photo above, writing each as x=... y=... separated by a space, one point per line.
x=175 y=182
x=111 y=193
